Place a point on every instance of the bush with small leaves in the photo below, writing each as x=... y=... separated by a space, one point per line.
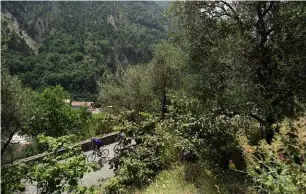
x=54 y=173
x=279 y=167
x=11 y=178
x=100 y=124
x=146 y=151
x=207 y=137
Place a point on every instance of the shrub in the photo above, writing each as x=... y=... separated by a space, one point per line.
x=279 y=167
x=113 y=186
x=171 y=181
x=147 y=149
x=100 y=124
x=50 y=175
x=54 y=176
x=11 y=178
x=204 y=136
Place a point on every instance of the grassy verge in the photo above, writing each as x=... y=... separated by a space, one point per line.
x=183 y=179
x=193 y=179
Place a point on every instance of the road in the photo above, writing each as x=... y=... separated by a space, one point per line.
x=90 y=178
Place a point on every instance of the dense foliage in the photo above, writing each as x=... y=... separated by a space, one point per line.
x=54 y=117
x=280 y=167
x=49 y=175
x=27 y=113
x=244 y=80
x=98 y=125
x=146 y=150
x=75 y=42
x=240 y=57
x=15 y=110
x=224 y=95
x=145 y=87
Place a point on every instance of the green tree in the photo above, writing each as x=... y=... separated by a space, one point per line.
x=54 y=117
x=240 y=58
x=166 y=68
x=15 y=109
x=74 y=50
x=129 y=90
x=145 y=87
x=55 y=173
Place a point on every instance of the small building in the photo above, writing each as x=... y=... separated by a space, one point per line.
x=77 y=104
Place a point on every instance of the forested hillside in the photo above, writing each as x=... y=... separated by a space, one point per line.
x=214 y=104
x=75 y=42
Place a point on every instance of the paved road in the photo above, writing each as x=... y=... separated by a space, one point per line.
x=91 y=178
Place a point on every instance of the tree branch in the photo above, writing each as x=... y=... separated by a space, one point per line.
x=268 y=9
x=234 y=16
x=229 y=6
x=258 y=119
x=7 y=143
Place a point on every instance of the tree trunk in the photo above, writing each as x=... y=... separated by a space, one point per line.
x=7 y=143
x=164 y=104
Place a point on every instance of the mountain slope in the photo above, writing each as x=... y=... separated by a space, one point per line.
x=78 y=41
x=12 y=27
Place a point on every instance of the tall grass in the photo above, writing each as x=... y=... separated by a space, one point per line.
x=183 y=179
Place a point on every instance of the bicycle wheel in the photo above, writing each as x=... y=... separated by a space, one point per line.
x=117 y=148
x=104 y=153
x=91 y=157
